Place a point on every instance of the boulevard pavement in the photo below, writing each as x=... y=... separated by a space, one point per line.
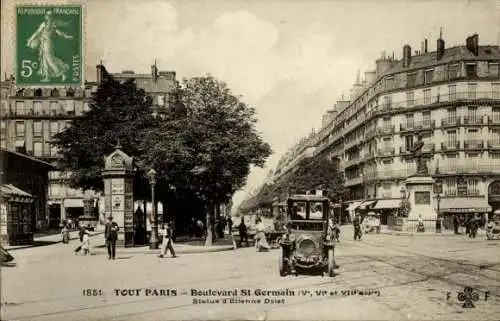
x=418 y=278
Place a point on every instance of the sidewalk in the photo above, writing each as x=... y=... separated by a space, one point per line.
x=50 y=239
x=349 y=230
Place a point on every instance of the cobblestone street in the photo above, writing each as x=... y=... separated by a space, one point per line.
x=417 y=278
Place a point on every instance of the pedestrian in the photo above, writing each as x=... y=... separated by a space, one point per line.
x=86 y=242
x=111 y=235
x=230 y=225
x=80 y=238
x=65 y=233
x=243 y=232
x=420 y=225
x=167 y=242
x=357 y=227
x=473 y=226
x=456 y=223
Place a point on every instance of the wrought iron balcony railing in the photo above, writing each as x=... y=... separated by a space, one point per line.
x=471 y=144
x=450 y=146
x=474 y=120
x=450 y=121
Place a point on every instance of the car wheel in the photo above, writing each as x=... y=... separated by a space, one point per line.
x=331 y=263
x=282 y=265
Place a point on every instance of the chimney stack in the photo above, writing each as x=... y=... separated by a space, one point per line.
x=154 y=72
x=440 y=48
x=472 y=43
x=406 y=56
x=99 y=72
x=425 y=45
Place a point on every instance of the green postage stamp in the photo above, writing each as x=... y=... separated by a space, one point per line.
x=49 y=45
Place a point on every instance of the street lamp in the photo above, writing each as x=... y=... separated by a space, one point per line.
x=438 y=190
x=403 y=193
x=154 y=239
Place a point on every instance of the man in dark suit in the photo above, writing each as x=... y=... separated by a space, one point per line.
x=111 y=235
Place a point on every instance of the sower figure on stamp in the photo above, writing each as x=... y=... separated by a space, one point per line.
x=111 y=235
x=416 y=152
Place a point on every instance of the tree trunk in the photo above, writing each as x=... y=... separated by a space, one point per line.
x=209 y=211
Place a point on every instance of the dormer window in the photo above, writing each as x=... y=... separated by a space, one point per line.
x=428 y=76
x=493 y=69
x=389 y=83
x=411 y=79
x=453 y=71
x=471 y=70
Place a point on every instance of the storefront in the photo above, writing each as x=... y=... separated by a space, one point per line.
x=463 y=207
x=386 y=208
x=15 y=216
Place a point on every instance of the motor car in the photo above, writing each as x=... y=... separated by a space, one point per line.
x=308 y=243
x=371 y=223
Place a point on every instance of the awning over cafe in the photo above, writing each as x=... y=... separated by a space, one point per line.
x=386 y=204
x=354 y=205
x=365 y=204
x=464 y=205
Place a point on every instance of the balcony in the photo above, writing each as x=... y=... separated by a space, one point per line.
x=385 y=152
x=369 y=134
x=353 y=181
x=427 y=124
x=474 y=120
x=450 y=146
x=450 y=121
x=386 y=174
x=473 y=144
x=494 y=143
x=385 y=130
x=352 y=162
x=351 y=143
x=368 y=156
x=485 y=166
x=428 y=148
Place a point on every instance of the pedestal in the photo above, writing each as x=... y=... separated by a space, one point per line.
x=420 y=191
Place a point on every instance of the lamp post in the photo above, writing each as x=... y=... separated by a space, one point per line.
x=438 y=190
x=154 y=239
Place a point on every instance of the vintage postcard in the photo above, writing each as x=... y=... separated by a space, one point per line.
x=250 y=160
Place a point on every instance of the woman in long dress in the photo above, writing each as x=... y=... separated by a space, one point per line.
x=260 y=237
x=50 y=66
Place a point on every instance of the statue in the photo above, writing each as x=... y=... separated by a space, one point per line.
x=416 y=151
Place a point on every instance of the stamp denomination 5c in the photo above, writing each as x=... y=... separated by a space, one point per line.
x=49 y=45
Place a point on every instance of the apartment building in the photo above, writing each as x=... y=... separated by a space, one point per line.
x=30 y=117
x=450 y=96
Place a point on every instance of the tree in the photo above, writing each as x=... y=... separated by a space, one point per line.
x=211 y=149
x=118 y=111
x=316 y=173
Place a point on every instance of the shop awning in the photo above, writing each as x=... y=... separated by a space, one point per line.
x=365 y=204
x=73 y=202
x=464 y=205
x=354 y=205
x=385 y=204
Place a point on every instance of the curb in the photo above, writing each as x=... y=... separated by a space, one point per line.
x=179 y=250
x=53 y=243
x=422 y=234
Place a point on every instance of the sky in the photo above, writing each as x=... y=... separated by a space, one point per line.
x=290 y=59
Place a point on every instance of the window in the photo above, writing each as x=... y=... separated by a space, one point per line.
x=5 y=107
x=53 y=151
x=70 y=107
x=389 y=83
x=37 y=107
x=37 y=129
x=450 y=186
x=410 y=98
x=3 y=129
x=495 y=155
x=70 y=92
x=452 y=92
x=387 y=143
x=387 y=101
x=453 y=71
x=39 y=92
x=472 y=115
x=452 y=114
x=493 y=69
x=46 y=149
x=426 y=119
x=473 y=134
x=495 y=111
x=451 y=139
x=471 y=91
x=54 y=92
x=410 y=122
x=471 y=70
x=427 y=96
x=495 y=91
x=409 y=142
x=37 y=146
x=54 y=128
x=472 y=186
x=20 y=108
x=54 y=108
x=428 y=76
x=20 y=129
x=411 y=79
